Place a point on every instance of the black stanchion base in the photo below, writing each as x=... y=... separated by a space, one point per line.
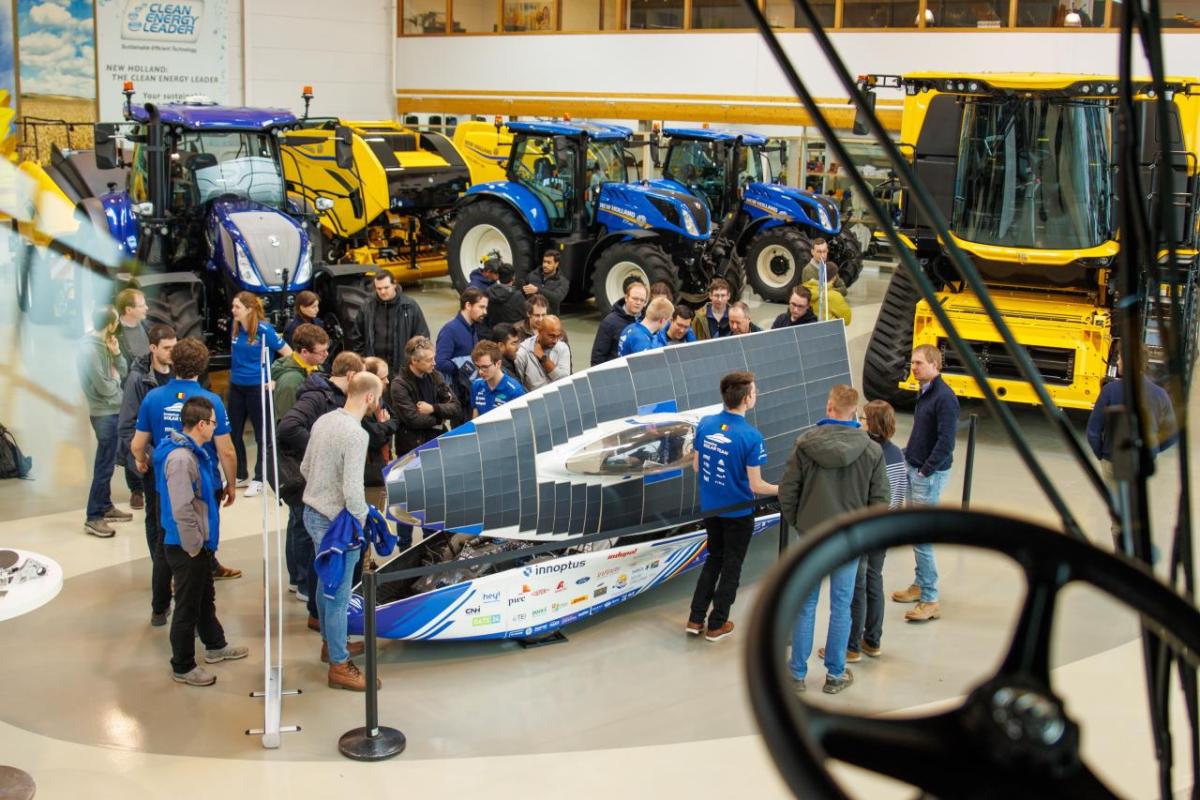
x=541 y=641
x=386 y=742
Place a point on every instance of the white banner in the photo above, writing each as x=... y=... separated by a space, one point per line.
x=168 y=50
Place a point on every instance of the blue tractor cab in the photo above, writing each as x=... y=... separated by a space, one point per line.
x=567 y=187
x=764 y=227
x=205 y=213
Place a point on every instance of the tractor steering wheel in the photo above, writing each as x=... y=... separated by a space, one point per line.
x=1011 y=736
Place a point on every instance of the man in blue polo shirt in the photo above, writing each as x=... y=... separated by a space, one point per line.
x=492 y=388
x=728 y=461
x=160 y=411
x=639 y=336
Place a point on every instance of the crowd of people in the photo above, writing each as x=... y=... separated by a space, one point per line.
x=335 y=426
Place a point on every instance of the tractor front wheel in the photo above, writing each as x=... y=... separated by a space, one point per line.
x=774 y=262
x=630 y=259
x=482 y=228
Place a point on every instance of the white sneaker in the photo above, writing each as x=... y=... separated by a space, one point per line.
x=254 y=489
x=243 y=483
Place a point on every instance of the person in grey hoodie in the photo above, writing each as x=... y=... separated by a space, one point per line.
x=835 y=468
x=102 y=371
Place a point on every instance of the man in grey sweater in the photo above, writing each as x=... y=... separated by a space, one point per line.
x=333 y=469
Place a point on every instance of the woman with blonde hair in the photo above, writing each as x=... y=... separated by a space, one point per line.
x=102 y=371
x=251 y=332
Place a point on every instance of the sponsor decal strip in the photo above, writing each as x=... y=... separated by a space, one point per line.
x=438 y=620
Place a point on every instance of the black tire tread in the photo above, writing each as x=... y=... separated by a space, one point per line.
x=177 y=305
x=845 y=251
x=887 y=358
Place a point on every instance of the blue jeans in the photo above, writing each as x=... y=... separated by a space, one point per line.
x=332 y=613
x=841 y=592
x=100 y=496
x=926 y=492
x=866 y=612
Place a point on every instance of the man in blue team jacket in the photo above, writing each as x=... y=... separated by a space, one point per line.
x=189 y=511
x=639 y=336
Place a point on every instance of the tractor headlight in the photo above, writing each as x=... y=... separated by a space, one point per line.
x=823 y=217
x=245 y=268
x=689 y=222
x=304 y=271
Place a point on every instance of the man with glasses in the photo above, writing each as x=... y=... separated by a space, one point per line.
x=187 y=482
x=310 y=348
x=545 y=357
x=492 y=388
x=712 y=321
x=799 y=309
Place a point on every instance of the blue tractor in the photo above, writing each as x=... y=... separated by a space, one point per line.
x=205 y=214
x=765 y=228
x=567 y=187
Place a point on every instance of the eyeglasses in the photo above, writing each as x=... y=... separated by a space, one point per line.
x=482 y=367
x=212 y=422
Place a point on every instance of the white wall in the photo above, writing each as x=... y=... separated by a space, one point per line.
x=342 y=49
x=738 y=64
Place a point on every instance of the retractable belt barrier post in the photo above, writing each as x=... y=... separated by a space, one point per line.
x=969 y=466
x=273 y=690
x=374 y=742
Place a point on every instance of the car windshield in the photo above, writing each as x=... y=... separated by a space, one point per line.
x=644 y=447
x=1034 y=173
x=209 y=164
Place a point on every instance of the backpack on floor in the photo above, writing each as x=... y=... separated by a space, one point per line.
x=13 y=463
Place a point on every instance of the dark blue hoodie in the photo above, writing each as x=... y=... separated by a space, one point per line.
x=207 y=489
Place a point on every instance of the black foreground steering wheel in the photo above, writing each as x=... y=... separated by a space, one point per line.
x=1011 y=737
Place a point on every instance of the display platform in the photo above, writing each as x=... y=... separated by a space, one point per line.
x=27 y=581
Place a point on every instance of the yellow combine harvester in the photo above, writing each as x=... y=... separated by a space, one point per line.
x=1023 y=168
x=390 y=206
x=485 y=146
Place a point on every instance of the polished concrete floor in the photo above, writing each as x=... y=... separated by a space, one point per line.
x=628 y=705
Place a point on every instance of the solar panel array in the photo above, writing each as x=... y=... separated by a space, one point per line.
x=482 y=477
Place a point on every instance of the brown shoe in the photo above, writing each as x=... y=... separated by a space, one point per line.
x=852 y=656
x=923 y=612
x=873 y=652
x=348 y=676
x=353 y=648
x=137 y=501
x=314 y=624
x=717 y=634
x=910 y=595
x=695 y=628
x=225 y=573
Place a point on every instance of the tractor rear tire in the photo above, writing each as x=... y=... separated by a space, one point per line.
x=846 y=252
x=177 y=305
x=481 y=228
x=774 y=261
x=886 y=363
x=345 y=298
x=643 y=259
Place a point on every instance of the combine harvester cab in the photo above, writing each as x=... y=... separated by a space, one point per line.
x=765 y=229
x=604 y=453
x=1023 y=168
x=389 y=205
x=565 y=186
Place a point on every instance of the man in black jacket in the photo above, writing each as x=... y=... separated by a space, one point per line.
x=386 y=322
x=506 y=304
x=929 y=453
x=548 y=282
x=149 y=372
x=799 y=309
x=317 y=396
x=423 y=403
x=624 y=313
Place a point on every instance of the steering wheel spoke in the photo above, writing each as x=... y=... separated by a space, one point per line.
x=1029 y=653
x=913 y=750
